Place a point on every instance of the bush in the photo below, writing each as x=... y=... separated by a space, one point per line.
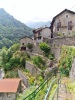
x=7 y=66
x=30 y=45
x=31 y=80
x=40 y=78
x=45 y=47
x=51 y=56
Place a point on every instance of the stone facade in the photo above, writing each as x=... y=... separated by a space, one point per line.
x=24 y=41
x=63 y=23
x=40 y=34
x=8 y=96
x=56 y=44
x=23 y=78
x=72 y=72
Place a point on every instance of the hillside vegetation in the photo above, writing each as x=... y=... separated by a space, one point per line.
x=11 y=29
x=66 y=59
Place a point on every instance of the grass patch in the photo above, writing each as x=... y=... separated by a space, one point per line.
x=26 y=93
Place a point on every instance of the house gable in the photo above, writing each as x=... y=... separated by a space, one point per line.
x=59 y=15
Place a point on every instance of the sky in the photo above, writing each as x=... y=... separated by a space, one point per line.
x=36 y=10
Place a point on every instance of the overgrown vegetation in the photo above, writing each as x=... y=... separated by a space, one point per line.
x=39 y=62
x=12 y=58
x=30 y=45
x=46 y=49
x=66 y=59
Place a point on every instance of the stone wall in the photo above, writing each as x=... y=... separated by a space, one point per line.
x=1 y=73
x=33 y=69
x=57 y=42
x=72 y=72
x=23 y=78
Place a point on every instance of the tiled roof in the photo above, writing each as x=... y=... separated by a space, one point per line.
x=9 y=85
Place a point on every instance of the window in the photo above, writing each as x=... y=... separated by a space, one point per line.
x=22 y=43
x=39 y=33
x=57 y=29
x=39 y=38
x=34 y=38
x=58 y=24
x=70 y=25
x=67 y=16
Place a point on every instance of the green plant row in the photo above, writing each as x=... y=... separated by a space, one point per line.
x=66 y=59
x=50 y=88
x=34 y=93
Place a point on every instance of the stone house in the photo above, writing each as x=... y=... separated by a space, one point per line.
x=63 y=23
x=24 y=41
x=9 y=88
x=41 y=34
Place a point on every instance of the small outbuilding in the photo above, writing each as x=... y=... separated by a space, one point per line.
x=9 y=88
x=24 y=41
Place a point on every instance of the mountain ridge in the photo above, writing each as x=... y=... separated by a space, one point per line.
x=11 y=30
x=38 y=24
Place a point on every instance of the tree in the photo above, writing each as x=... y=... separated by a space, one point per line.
x=45 y=47
x=22 y=62
x=4 y=56
x=14 y=47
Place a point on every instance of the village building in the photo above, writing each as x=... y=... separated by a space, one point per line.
x=24 y=41
x=9 y=88
x=41 y=34
x=63 y=23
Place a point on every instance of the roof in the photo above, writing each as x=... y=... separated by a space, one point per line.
x=65 y=10
x=9 y=85
x=39 y=29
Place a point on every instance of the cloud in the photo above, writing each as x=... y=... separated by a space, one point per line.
x=35 y=10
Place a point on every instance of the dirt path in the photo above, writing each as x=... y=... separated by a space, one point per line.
x=63 y=94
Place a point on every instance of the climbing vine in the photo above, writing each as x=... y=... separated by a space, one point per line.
x=66 y=59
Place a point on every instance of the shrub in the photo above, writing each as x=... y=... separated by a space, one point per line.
x=30 y=45
x=31 y=80
x=45 y=47
x=7 y=66
x=51 y=56
x=22 y=62
x=40 y=78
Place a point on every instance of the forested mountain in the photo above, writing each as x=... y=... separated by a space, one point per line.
x=38 y=24
x=11 y=29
